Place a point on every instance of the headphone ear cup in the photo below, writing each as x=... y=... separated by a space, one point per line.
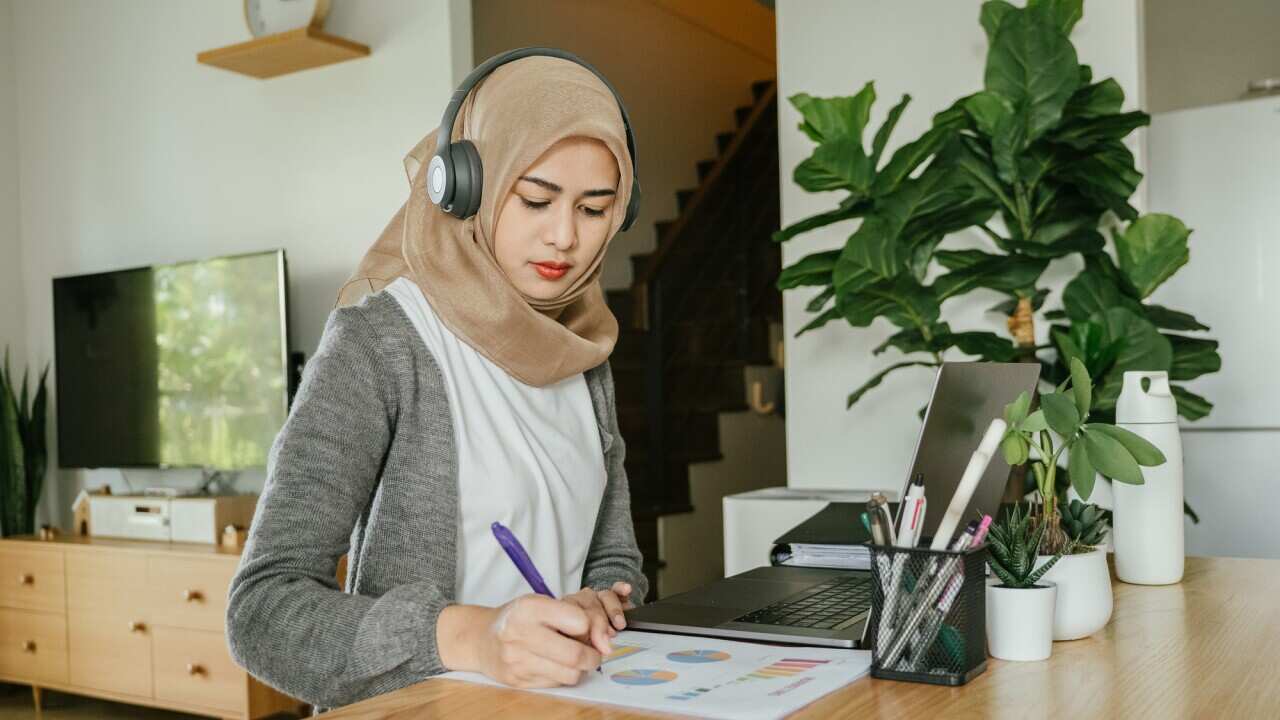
x=469 y=179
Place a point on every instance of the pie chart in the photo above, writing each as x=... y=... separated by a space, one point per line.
x=698 y=656
x=643 y=677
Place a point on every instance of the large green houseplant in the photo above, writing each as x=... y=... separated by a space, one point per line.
x=1035 y=162
x=23 y=454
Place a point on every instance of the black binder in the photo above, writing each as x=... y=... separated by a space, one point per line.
x=837 y=524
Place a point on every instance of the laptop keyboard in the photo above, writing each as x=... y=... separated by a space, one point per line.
x=832 y=605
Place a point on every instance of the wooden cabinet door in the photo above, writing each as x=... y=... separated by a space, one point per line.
x=193 y=666
x=33 y=646
x=110 y=651
x=190 y=592
x=31 y=578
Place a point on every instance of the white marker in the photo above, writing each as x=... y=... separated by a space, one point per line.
x=968 y=483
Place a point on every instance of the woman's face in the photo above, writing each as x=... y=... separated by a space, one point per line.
x=556 y=217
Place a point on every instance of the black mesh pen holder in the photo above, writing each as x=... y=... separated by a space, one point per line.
x=928 y=614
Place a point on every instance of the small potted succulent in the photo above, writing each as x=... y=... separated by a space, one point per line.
x=1082 y=576
x=1020 y=602
x=1038 y=439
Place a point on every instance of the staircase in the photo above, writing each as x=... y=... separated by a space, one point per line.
x=697 y=314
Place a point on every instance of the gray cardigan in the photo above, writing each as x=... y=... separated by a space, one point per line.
x=366 y=465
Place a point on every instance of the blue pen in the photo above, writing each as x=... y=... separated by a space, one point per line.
x=523 y=562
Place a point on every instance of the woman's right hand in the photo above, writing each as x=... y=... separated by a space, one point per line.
x=529 y=643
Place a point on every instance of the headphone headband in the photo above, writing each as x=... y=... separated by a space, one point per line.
x=456 y=188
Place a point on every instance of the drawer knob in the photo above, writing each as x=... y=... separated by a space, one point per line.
x=192 y=595
x=26 y=579
x=194 y=669
x=137 y=626
x=29 y=646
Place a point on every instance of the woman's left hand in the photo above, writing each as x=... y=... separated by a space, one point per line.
x=604 y=610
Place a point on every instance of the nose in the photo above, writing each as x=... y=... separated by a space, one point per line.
x=563 y=234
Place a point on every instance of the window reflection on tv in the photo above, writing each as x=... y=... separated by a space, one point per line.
x=178 y=365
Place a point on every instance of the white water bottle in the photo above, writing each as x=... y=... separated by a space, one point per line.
x=1148 y=532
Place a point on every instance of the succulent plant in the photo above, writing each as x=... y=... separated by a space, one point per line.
x=1084 y=523
x=1013 y=546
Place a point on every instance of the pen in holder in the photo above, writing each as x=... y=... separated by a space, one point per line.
x=928 y=614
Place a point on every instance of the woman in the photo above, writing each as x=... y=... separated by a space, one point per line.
x=465 y=381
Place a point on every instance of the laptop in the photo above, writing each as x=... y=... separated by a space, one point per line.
x=829 y=607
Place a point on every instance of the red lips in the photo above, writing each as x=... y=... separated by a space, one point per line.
x=551 y=270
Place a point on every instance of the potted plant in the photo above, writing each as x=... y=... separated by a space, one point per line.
x=23 y=456
x=1034 y=167
x=1020 y=605
x=1084 y=581
x=1092 y=449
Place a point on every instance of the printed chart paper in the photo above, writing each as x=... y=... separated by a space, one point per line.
x=708 y=677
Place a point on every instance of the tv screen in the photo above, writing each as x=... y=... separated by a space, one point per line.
x=181 y=365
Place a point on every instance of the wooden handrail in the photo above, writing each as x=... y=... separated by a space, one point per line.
x=640 y=287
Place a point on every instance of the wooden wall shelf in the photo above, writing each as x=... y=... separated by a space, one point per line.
x=283 y=53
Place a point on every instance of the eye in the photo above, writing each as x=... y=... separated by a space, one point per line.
x=592 y=211
x=534 y=205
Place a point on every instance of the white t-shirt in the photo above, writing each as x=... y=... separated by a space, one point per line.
x=528 y=457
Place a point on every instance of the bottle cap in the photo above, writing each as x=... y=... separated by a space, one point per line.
x=1155 y=404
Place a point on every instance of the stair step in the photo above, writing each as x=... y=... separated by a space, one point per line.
x=701 y=386
x=760 y=87
x=683 y=197
x=741 y=114
x=639 y=263
x=704 y=169
x=662 y=227
x=723 y=140
x=694 y=434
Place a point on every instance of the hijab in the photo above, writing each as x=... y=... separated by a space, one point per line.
x=513 y=116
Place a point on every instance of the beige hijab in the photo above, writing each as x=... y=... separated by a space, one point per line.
x=514 y=115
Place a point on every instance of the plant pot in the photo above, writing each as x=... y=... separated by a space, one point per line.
x=1083 y=605
x=1020 y=621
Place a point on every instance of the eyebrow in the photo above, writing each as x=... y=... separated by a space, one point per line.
x=556 y=188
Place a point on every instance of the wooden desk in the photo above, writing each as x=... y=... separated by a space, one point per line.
x=1206 y=648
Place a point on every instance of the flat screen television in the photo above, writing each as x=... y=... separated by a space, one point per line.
x=171 y=366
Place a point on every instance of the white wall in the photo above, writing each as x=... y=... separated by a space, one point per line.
x=935 y=50
x=132 y=153
x=12 y=318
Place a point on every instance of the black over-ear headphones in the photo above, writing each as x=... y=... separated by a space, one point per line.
x=455 y=178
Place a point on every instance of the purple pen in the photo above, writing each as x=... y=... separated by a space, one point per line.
x=516 y=552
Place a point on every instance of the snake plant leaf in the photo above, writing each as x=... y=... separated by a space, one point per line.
x=1151 y=250
x=1111 y=458
x=839 y=164
x=1166 y=319
x=1034 y=66
x=1081 y=470
x=833 y=118
x=1081 y=386
x=813 y=269
x=1193 y=357
x=1143 y=452
x=886 y=129
x=1061 y=414
x=1034 y=577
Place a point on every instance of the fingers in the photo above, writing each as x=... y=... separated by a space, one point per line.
x=565 y=617
x=564 y=651
x=530 y=670
x=613 y=606
x=623 y=591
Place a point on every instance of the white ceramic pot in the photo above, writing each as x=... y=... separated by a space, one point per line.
x=1083 y=605
x=1020 y=621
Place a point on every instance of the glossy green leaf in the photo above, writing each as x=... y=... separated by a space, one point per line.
x=886 y=129
x=1089 y=293
x=812 y=269
x=850 y=208
x=1063 y=13
x=1190 y=405
x=1035 y=422
x=839 y=164
x=910 y=340
x=988 y=346
x=835 y=118
x=1061 y=414
x=827 y=316
x=1016 y=411
x=1193 y=357
x=907 y=158
x=992 y=14
x=1105 y=174
x=1166 y=319
x=1096 y=100
x=1081 y=470
x=1082 y=133
x=1143 y=452
x=997 y=272
x=1081 y=386
x=1033 y=65
x=1151 y=250
x=820 y=300
x=1112 y=459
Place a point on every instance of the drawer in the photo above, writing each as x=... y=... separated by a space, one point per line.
x=33 y=645
x=109 y=651
x=32 y=579
x=114 y=583
x=189 y=592
x=193 y=666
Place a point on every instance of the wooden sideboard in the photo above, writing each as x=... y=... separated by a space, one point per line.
x=131 y=621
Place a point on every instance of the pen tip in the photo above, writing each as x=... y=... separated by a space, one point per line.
x=918 y=479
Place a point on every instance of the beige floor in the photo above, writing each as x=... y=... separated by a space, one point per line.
x=16 y=704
